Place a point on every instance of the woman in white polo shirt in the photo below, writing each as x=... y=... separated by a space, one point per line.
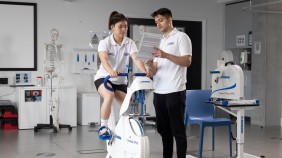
x=114 y=52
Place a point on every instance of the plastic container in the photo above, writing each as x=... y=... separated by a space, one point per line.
x=39 y=81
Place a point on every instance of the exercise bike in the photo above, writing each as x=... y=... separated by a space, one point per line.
x=126 y=139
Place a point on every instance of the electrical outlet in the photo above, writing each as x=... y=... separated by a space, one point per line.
x=257 y=47
x=240 y=40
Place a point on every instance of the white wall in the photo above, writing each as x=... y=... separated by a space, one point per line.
x=75 y=19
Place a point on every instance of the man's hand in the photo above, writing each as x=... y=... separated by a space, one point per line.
x=184 y=60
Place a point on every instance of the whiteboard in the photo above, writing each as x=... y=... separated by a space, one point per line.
x=18 y=46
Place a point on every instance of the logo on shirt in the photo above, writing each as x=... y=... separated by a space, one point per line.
x=170 y=43
x=126 y=54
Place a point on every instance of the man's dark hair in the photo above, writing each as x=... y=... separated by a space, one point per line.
x=162 y=11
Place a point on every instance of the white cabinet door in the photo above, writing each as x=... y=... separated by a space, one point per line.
x=88 y=109
x=32 y=108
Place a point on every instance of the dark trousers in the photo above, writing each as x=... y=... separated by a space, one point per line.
x=170 y=110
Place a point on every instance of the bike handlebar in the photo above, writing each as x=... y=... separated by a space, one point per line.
x=120 y=74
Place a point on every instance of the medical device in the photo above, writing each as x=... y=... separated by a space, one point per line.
x=127 y=138
x=228 y=91
x=244 y=57
x=228 y=84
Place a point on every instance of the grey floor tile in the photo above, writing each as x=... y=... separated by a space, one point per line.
x=82 y=142
x=10 y=155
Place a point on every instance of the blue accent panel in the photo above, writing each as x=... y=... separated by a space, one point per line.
x=123 y=74
x=225 y=77
x=141 y=100
x=140 y=74
x=129 y=69
x=231 y=87
x=134 y=96
x=224 y=102
x=120 y=74
x=242 y=124
x=77 y=57
x=105 y=136
x=141 y=97
x=214 y=72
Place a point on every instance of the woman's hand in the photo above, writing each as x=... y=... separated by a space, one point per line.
x=114 y=73
x=149 y=63
x=149 y=74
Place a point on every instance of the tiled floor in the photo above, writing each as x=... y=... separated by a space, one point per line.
x=82 y=142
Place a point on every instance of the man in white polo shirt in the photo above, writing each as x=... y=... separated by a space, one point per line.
x=169 y=68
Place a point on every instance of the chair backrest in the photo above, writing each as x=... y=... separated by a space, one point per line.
x=196 y=105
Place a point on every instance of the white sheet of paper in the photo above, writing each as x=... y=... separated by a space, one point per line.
x=147 y=44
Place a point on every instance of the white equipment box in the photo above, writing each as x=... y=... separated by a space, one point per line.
x=88 y=110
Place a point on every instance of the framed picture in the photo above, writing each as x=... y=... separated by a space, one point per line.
x=18 y=36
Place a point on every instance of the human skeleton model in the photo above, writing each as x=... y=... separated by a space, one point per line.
x=53 y=66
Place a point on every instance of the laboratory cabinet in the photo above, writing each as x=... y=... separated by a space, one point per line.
x=33 y=105
x=88 y=109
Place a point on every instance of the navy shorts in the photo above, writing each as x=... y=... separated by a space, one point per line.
x=120 y=87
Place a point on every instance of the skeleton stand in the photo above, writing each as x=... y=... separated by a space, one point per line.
x=54 y=57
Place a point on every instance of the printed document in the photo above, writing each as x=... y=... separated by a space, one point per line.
x=147 y=44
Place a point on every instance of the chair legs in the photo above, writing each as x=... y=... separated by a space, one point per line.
x=212 y=138
x=185 y=119
x=230 y=140
x=202 y=129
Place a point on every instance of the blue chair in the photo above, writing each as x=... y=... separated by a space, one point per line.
x=199 y=112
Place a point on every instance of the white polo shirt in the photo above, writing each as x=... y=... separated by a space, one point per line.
x=171 y=77
x=118 y=57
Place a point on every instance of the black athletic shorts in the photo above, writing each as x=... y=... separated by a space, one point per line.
x=120 y=87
